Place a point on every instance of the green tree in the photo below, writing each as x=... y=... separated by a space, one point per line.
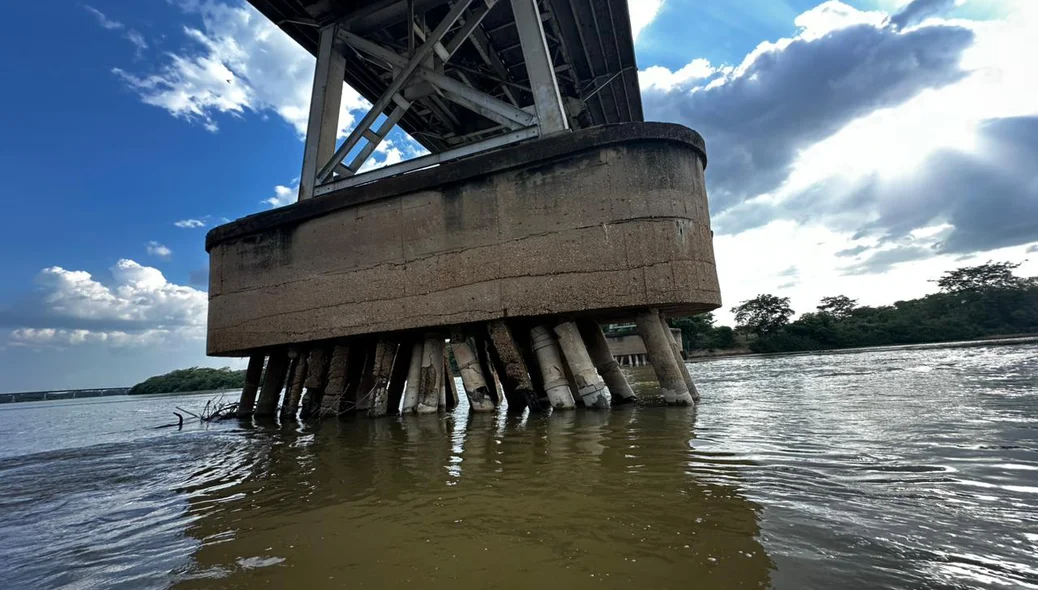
x=193 y=379
x=695 y=330
x=839 y=306
x=764 y=314
x=993 y=275
x=721 y=338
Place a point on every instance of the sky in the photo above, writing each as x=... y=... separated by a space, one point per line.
x=860 y=147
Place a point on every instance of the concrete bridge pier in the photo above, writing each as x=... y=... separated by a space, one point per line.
x=316 y=381
x=564 y=367
x=661 y=357
x=472 y=375
x=398 y=378
x=553 y=375
x=619 y=389
x=414 y=377
x=385 y=354
x=430 y=381
x=335 y=382
x=450 y=386
x=511 y=368
x=297 y=373
x=680 y=360
x=252 y=381
x=273 y=383
x=590 y=386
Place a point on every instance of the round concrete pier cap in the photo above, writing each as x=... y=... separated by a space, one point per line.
x=523 y=154
x=595 y=223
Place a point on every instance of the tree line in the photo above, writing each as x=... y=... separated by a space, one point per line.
x=971 y=302
x=193 y=379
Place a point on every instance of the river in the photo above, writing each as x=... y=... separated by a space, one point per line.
x=896 y=468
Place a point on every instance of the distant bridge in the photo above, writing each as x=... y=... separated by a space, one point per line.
x=38 y=396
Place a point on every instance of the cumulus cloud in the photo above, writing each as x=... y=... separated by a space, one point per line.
x=643 y=12
x=58 y=338
x=988 y=195
x=872 y=124
x=918 y=10
x=885 y=259
x=283 y=195
x=238 y=62
x=157 y=249
x=189 y=223
x=139 y=306
x=787 y=96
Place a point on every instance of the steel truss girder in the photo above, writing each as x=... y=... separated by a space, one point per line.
x=403 y=77
x=430 y=160
x=423 y=64
x=497 y=110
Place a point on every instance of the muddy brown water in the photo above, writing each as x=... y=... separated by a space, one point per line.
x=897 y=468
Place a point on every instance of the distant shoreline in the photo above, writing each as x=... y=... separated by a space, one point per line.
x=64 y=395
x=745 y=352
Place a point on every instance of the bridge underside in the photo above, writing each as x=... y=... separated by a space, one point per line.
x=589 y=43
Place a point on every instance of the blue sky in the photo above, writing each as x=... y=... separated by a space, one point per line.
x=851 y=152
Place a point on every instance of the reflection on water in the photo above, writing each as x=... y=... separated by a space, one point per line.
x=481 y=501
x=893 y=468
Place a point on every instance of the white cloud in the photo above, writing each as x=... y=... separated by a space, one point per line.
x=138 y=41
x=854 y=122
x=131 y=35
x=239 y=62
x=139 y=307
x=157 y=249
x=283 y=195
x=189 y=223
x=103 y=20
x=139 y=294
x=832 y=16
x=661 y=78
x=643 y=12
x=758 y=261
x=59 y=338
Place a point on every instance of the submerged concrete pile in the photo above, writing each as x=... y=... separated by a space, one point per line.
x=502 y=364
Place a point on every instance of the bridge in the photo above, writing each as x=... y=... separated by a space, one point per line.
x=38 y=396
x=545 y=207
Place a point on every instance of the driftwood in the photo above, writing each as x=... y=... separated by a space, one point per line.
x=215 y=410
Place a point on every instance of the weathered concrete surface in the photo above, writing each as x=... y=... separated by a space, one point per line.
x=604 y=220
x=252 y=382
x=605 y=363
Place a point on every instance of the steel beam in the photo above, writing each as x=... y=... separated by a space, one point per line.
x=453 y=89
x=325 y=100
x=430 y=160
x=551 y=113
x=401 y=80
